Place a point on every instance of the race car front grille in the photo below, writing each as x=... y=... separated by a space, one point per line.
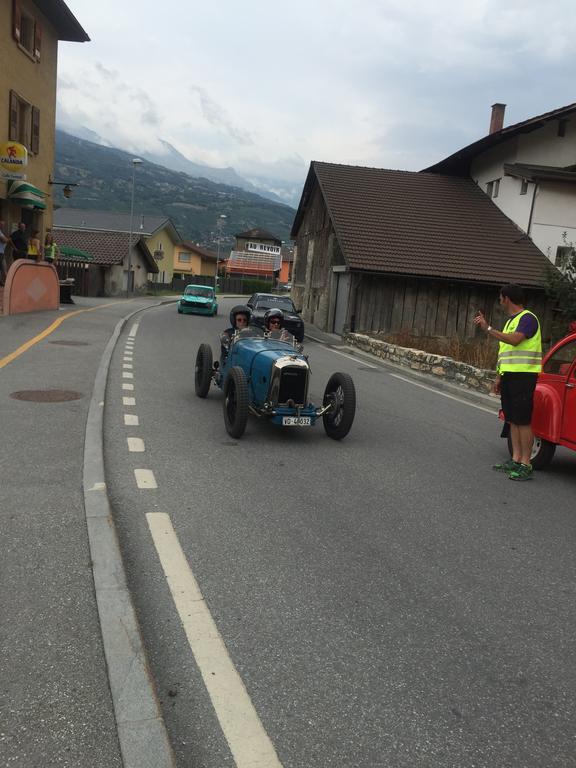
x=293 y=385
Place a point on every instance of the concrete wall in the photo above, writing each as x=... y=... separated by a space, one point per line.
x=31 y=286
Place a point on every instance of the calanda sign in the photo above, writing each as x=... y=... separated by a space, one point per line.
x=13 y=160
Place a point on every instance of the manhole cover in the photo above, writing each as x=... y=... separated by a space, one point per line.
x=46 y=395
x=71 y=343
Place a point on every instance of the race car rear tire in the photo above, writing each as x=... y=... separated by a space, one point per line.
x=235 y=402
x=203 y=370
x=542 y=452
x=341 y=391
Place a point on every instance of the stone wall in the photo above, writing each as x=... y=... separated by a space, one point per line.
x=444 y=367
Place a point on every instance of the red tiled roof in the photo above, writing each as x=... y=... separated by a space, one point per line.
x=203 y=252
x=422 y=224
x=107 y=248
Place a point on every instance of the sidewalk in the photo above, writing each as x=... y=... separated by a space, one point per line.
x=68 y=697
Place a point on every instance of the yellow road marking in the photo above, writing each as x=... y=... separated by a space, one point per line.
x=51 y=328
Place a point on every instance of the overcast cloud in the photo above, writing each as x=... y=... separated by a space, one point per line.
x=266 y=87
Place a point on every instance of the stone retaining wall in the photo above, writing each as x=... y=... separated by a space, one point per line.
x=425 y=362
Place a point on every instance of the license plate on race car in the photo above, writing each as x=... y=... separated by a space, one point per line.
x=296 y=421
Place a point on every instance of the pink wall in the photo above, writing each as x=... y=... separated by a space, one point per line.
x=31 y=286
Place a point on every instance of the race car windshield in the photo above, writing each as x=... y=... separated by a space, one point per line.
x=246 y=333
x=192 y=290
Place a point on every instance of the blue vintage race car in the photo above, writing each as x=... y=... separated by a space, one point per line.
x=198 y=299
x=268 y=377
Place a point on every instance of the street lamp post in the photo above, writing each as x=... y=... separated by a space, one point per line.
x=219 y=224
x=136 y=161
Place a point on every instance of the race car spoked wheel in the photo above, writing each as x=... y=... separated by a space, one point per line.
x=203 y=371
x=236 y=402
x=341 y=393
x=542 y=452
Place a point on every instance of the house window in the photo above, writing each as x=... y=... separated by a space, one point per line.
x=564 y=255
x=492 y=188
x=26 y=30
x=185 y=257
x=20 y=120
x=523 y=187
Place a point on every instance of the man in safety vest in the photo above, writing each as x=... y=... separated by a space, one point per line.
x=519 y=363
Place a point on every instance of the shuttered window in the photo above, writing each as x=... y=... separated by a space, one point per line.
x=24 y=124
x=26 y=30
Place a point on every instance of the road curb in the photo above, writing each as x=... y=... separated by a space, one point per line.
x=141 y=730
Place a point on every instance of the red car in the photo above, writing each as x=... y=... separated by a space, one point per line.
x=554 y=416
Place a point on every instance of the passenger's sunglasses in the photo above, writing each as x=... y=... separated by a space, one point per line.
x=274 y=322
x=241 y=319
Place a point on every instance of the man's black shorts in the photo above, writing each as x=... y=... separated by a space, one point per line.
x=517 y=395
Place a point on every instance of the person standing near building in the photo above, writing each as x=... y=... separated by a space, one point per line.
x=19 y=240
x=34 y=247
x=519 y=363
x=4 y=254
x=50 y=248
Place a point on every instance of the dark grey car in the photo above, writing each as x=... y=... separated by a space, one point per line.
x=260 y=302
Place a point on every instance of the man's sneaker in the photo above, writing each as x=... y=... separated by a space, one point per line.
x=522 y=472
x=507 y=466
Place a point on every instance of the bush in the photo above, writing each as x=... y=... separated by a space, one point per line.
x=256 y=286
x=561 y=287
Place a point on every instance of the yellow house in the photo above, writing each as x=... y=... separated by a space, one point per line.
x=29 y=35
x=190 y=260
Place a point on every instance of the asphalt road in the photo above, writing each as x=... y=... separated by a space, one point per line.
x=387 y=600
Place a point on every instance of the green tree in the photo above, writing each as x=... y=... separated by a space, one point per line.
x=561 y=287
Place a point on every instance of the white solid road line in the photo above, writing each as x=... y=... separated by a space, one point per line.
x=131 y=420
x=135 y=444
x=133 y=330
x=128 y=401
x=126 y=385
x=356 y=359
x=493 y=412
x=248 y=741
x=145 y=479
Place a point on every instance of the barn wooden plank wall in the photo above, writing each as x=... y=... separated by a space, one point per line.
x=425 y=307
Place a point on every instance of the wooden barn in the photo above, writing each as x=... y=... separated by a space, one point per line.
x=390 y=251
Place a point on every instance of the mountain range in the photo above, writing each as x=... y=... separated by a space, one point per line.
x=167 y=184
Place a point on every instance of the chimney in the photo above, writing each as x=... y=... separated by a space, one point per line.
x=497 y=118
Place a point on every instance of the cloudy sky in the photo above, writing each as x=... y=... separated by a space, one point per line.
x=266 y=87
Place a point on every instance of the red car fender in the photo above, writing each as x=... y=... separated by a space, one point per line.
x=547 y=413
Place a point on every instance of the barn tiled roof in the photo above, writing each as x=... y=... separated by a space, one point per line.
x=422 y=224
x=107 y=248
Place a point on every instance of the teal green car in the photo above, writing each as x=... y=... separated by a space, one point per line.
x=198 y=300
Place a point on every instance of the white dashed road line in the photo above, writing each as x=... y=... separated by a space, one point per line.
x=128 y=401
x=145 y=479
x=135 y=444
x=127 y=386
x=127 y=375
x=248 y=741
x=131 y=420
x=127 y=366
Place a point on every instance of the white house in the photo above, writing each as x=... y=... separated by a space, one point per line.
x=529 y=172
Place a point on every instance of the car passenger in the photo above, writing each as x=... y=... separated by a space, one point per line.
x=273 y=325
x=239 y=318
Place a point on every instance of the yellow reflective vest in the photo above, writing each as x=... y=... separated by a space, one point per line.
x=525 y=357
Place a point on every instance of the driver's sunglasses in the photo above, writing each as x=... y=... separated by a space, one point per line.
x=274 y=322
x=241 y=319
